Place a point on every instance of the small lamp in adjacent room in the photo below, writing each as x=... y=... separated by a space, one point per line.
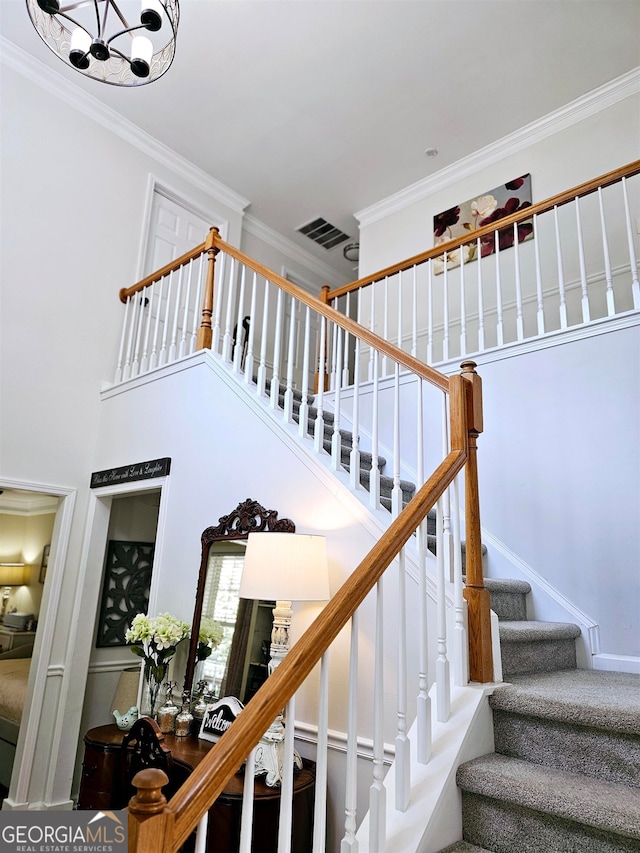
x=286 y=567
x=11 y=574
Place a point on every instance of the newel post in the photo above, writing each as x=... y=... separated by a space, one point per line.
x=205 y=334
x=477 y=597
x=147 y=820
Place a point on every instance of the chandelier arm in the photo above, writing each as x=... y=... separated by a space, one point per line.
x=118 y=12
x=102 y=27
x=122 y=32
x=121 y=55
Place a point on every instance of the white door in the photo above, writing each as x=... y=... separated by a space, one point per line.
x=173 y=230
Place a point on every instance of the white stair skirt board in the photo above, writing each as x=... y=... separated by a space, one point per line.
x=433 y=818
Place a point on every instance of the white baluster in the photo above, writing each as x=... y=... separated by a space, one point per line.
x=463 y=310
x=372 y=326
x=239 y=330
x=318 y=431
x=219 y=298
x=399 y=338
x=635 y=285
x=377 y=791
x=286 y=787
x=248 y=364
x=403 y=744
x=385 y=323
x=262 y=367
x=459 y=642
x=349 y=843
x=499 y=325
x=303 y=413
x=480 y=298
x=246 y=821
x=345 y=349
x=125 y=321
x=288 y=394
x=336 y=444
x=144 y=363
x=274 y=390
x=414 y=305
x=374 y=480
x=354 y=457
x=443 y=704
x=173 y=348
x=162 y=356
x=611 y=308
x=197 y=305
x=561 y=286
x=154 y=349
x=227 y=340
x=133 y=325
x=539 y=295
x=185 y=318
x=518 y=280
x=446 y=501
x=396 y=492
x=430 y=313
x=423 y=710
x=135 y=365
x=445 y=310
x=586 y=314
x=332 y=332
x=320 y=803
x=201 y=834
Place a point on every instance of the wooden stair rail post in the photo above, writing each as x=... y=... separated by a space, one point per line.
x=147 y=819
x=477 y=597
x=205 y=333
x=324 y=298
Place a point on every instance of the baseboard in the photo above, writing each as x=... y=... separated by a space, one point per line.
x=617 y=663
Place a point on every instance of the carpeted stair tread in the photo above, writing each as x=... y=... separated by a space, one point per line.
x=507 y=585
x=571 y=796
x=464 y=847
x=581 y=697
x=532 y=631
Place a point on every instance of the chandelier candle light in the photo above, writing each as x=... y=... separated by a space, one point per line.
x=286 y=567
x=124 y=43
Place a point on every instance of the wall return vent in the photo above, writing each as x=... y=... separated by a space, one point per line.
x=323 y=233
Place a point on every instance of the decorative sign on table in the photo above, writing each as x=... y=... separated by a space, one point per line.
x=130 y=473
x=217 y=718
x=482 y=210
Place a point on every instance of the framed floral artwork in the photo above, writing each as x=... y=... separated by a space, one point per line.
x=482 y=210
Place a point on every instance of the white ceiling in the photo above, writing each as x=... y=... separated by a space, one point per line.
x=324 y=107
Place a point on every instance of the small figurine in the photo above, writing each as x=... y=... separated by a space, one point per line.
x=168 y=712
x=125 y=721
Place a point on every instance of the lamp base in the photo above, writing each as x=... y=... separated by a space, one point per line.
x=270 y=759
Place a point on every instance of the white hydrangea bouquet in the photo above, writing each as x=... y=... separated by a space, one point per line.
x=155 y=640
x=209 y=637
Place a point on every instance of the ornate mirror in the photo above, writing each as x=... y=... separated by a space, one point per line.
x=244 y=622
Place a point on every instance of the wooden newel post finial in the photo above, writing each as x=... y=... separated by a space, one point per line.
x=477 y=597
x=147 y=821
x=205 y=334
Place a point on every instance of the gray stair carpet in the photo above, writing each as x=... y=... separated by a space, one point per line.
x=565 y=775
x=464 y=847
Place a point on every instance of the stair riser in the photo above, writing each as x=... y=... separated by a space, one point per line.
x=511 y=606
x=540 y=656
x=577 y=749
x=505 y=828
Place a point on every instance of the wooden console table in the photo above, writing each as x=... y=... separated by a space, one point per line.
x=101 y=789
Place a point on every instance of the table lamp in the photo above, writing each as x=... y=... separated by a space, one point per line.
x=284 y=567
x=11 y=574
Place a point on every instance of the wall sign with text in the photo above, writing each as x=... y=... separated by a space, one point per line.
x=131 y=473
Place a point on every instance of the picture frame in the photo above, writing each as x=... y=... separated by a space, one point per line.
x=44 y=563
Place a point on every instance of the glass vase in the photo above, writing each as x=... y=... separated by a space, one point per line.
x=149 y=700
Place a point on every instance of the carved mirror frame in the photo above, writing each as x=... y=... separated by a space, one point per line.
x=248 y=517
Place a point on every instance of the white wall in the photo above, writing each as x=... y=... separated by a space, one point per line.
x=558 y=460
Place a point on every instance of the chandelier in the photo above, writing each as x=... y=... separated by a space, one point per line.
x=121 y=42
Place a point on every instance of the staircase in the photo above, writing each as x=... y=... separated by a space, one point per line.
x=565 y=775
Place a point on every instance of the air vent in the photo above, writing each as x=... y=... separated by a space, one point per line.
x=323 y=233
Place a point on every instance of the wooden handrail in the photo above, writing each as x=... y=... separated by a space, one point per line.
x=402 y=358
x=209 y=778
x=540 y=207
x=172 y=266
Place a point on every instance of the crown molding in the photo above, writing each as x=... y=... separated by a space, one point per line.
x=575 y=111
x=56 y=84
x=27 y=503
x=293 y=252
